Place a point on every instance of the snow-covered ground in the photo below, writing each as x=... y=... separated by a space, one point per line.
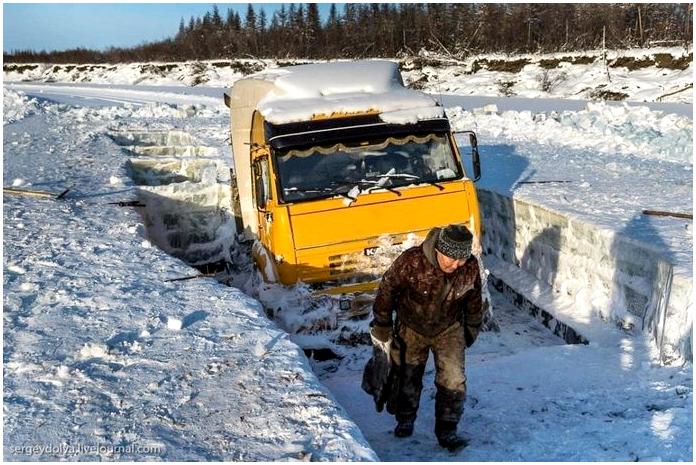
x=105 y=359
x=568 y=75
x=530 y=397
x=100 y=349
x=660 y=74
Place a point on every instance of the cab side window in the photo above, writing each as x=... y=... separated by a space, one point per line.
x=262 y=182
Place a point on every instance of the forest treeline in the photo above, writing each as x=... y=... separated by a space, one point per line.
x=363 y=30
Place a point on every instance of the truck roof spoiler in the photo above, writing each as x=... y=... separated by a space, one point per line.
x=227 y=98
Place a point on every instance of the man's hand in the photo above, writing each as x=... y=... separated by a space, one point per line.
x=382 y=333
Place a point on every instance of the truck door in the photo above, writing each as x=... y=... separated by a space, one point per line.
x=262 y=198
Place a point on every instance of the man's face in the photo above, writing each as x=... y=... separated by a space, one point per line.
x=447 y=264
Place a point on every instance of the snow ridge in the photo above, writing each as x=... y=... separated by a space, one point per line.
x=601 y=127
x=578 y=75
x=16 y=105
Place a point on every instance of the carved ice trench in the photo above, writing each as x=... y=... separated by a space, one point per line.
x=187 y=213
x=187 y=197
x=187 y=210
x=186 y=193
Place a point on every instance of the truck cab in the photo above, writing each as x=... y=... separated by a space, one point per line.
x=339 y=167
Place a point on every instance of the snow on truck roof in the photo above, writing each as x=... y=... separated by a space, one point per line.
x=302 y=92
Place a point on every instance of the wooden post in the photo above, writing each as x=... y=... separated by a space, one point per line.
x=687 y=216
x=29 y=193
x=604 y=51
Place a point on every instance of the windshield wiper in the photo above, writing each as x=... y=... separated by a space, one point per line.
x=356 y=187
x=380 y=184
x=388 y=188
x=433 y=183
x=314 y=193
x=411 y=176
x=391 y=175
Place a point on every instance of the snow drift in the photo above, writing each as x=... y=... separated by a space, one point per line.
x=666 y=74
x=16 y=106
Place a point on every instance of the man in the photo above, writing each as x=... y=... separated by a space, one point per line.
x=435 y=290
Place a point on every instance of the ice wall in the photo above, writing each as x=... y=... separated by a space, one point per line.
x=606 y=274
x=184 y=191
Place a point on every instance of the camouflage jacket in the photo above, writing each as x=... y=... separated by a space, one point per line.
x=425 y=298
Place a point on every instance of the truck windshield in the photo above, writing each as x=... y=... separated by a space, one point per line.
x=327 y=171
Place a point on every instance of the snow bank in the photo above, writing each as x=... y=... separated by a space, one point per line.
x=105 y=359
x=563 y=196
x=608 y=276
x=128 y=110
x=604 y=128
x=16 y=105
x=214 y=72
x=579 y=75
x=664 y=75
x=606 y=189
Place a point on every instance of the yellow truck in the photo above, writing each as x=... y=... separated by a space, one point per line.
x=336 y=163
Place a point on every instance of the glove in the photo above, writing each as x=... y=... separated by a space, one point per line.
x=382 y=333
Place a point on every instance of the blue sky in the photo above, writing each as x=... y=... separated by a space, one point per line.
x=60 y=26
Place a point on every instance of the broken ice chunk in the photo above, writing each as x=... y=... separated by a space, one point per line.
x=174 y=324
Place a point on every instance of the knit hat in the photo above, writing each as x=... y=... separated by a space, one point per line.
x=455 y=242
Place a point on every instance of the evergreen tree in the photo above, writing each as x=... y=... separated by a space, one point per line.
x=282 y=16
x=229 y=19
x=250 y=19
x=388 y=30
x=216 y=19
x=250 y=29
x=313 y=31
x=262 y=21
x=333 y=34
x=182 y=30
x=333 y=15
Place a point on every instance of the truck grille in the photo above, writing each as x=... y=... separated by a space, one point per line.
x=342 y=264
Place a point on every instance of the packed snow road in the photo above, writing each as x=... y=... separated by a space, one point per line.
x=531 y=397
x=192 y=370
x=88 y=94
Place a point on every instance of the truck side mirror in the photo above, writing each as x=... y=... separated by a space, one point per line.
x=475 y=160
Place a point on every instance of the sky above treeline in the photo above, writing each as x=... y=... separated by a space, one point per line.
x=61 y=26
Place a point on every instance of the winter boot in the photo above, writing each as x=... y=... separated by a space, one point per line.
x=404 y=428
x=447 y=437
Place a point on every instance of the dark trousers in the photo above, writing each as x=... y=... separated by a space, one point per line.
x=410 y=353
